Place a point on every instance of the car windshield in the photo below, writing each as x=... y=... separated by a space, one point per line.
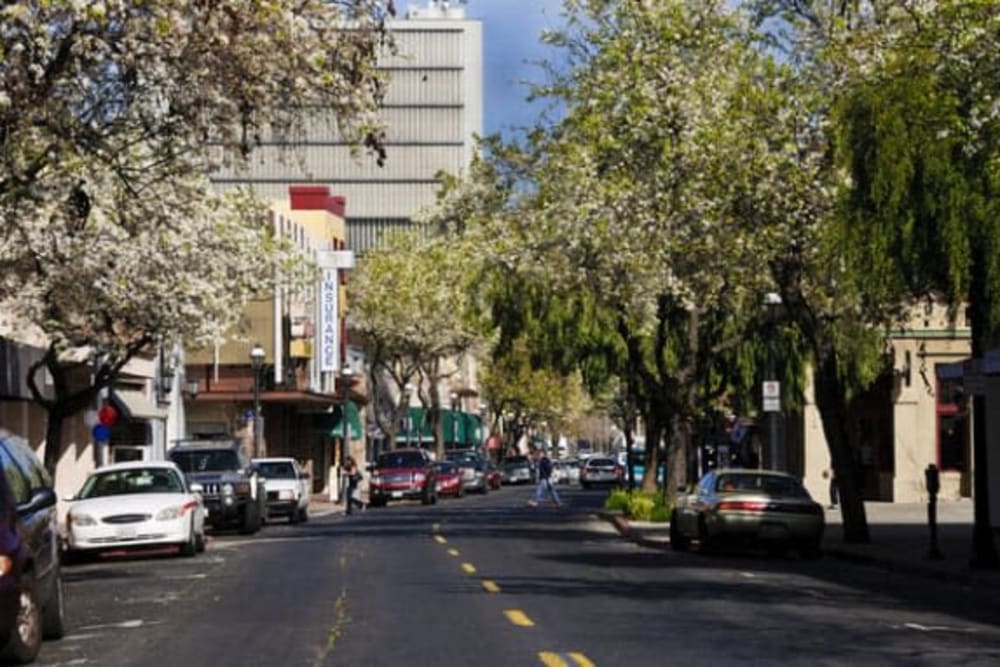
x=401 y=460
x=277 y=469
x=600 y=463
x=516 y=462
x=203 y=460
x=136 y=480
x=447 y=468
x=772 y=485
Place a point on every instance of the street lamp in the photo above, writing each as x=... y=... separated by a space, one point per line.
x=772 y=387
x=257 y=355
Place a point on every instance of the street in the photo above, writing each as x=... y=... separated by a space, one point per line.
x=486 y=580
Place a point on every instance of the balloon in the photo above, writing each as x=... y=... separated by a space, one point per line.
x=107 y=415
x=101 y=433
x=90 y=417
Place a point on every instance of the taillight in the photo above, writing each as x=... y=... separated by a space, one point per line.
x=743 y=505
x=6 y=565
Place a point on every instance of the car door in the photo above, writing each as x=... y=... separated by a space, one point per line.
x=40 y=529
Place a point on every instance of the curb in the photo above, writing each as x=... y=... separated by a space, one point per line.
x=624 y=528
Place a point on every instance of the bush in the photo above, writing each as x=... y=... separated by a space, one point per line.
x=638 y=505
x=617 y=500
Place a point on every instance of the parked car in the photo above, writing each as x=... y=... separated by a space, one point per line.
x=232 y=490
x=402 y=474
x=287 y=487
x=755 y=506
x=566 y=471
x=473 y=468
x=135 y=505
x=449 y=479
x=492 y=474
x=517 y=470
x=31 y=587
x=600 y=470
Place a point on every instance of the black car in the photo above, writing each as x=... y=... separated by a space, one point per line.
x=233 y=492
x=31 y=589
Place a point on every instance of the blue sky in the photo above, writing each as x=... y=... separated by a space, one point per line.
x=510 y=41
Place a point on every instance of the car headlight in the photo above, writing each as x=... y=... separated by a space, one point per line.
x=227 y=489
x=419 y=477
x=170 y=513
x=82 y=520
x=375 y=480
x=286 y=494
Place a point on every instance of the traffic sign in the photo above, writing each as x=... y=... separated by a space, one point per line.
x=772 y=396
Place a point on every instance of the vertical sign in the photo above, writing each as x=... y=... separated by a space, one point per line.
x=329 y=321
x=772 y=396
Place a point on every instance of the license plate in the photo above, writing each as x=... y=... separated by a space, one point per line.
x=397 y=494
x=772 y=531
x=125 y=532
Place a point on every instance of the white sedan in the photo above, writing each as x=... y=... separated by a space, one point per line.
x=136 y=504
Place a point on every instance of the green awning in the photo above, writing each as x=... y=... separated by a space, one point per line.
x=353 y=418
x=458 y=429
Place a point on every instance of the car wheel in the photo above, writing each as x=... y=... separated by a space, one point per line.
x=26 y=636
x=251 y=519
x=811 y=549
x=304 y=514
x=54 y=612
x=678 y=540
x=706 y=544
x=294 y=516
x=199 y=541
x=190 y=546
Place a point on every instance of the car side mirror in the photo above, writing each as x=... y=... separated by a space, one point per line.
x=39 y=499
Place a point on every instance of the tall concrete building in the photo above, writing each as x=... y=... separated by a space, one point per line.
x=432 y=110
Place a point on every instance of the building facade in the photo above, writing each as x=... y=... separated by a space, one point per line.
x=433 y=111
x=282 y=371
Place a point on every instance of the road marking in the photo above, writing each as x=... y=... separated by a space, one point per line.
x=435 y=528
x=490 y=586
x=551 y=659
x=518 y=617
x=440 y=539
x=468 y=568
x=453 y=552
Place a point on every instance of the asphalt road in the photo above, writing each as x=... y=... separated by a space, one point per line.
x=487 y=581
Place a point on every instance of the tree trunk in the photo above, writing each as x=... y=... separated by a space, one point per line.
x=831 y=402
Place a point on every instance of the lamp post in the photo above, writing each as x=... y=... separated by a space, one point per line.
x=257 y=355
x=772 y=387
x=454 y=419
x=407 y=392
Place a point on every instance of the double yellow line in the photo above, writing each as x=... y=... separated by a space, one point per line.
x=516 y=616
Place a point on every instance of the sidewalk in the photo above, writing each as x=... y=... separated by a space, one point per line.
x=321 y=505
x=900 y=540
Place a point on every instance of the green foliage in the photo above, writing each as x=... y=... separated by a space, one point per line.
x=639 y=505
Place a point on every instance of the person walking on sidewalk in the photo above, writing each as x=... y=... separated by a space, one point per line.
x=353 y=495
x=544 y=484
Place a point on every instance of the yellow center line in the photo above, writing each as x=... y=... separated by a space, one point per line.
x=453 y=552
x=490 y=586
x=518 y=617
x=553 y=659
x=469 y=568
x=440 y=539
